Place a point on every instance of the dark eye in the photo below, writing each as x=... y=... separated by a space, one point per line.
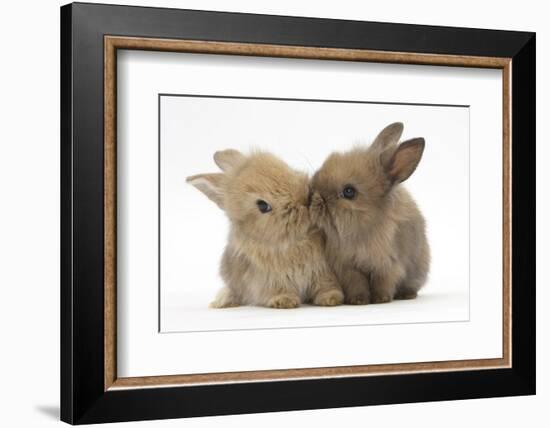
x=348 y=192
x=263 y=206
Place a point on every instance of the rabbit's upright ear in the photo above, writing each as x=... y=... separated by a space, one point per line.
x=228 y=159
x=389 y=136
x=405 y=160
x=209 y=184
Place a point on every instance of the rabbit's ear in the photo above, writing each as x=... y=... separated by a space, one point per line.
x=389 y=136
x=210 y=185
x=405 y=160
x=228 y=159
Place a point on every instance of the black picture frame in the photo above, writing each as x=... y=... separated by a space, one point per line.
x=83 y=398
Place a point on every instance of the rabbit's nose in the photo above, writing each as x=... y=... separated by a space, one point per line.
x=316 y=197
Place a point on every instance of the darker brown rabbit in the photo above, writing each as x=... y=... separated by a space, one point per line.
x=376 y=239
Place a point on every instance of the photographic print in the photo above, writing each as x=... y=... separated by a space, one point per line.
x=304 y=205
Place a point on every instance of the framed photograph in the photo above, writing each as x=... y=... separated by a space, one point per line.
x=266 y=213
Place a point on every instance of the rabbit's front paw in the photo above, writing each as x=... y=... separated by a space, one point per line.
x=406 y=294
x=358 y=299
x=332 y=297
x=381 y=298
x=220 y=304
x=225 y=299
x=284 y=301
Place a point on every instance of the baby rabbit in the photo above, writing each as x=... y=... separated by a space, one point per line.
x=274 y=256
x=376 y=240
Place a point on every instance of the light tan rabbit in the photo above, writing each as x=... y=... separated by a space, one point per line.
x=376 y=240
x=274 y=256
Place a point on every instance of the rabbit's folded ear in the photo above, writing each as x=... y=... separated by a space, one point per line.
x=228 y=159
x=405 y=160
x=209 y=184
x=389 y=136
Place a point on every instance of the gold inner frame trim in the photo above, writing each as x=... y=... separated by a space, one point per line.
x=113 y=43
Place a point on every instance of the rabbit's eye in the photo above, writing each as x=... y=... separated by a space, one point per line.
x=348 y=192
x=263 y=206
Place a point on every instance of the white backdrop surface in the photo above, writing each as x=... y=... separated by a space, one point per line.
x=30 y=136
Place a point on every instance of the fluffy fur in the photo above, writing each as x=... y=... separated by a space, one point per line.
x=376 y=241
x=276 y=258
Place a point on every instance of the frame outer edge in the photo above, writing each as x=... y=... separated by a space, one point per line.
x=82 y=401
x=524 y=215
x=66 y=198
x=87 y=211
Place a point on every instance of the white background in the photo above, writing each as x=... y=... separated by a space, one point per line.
x=194 y=230
x=142 y=351
x=29 y=232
